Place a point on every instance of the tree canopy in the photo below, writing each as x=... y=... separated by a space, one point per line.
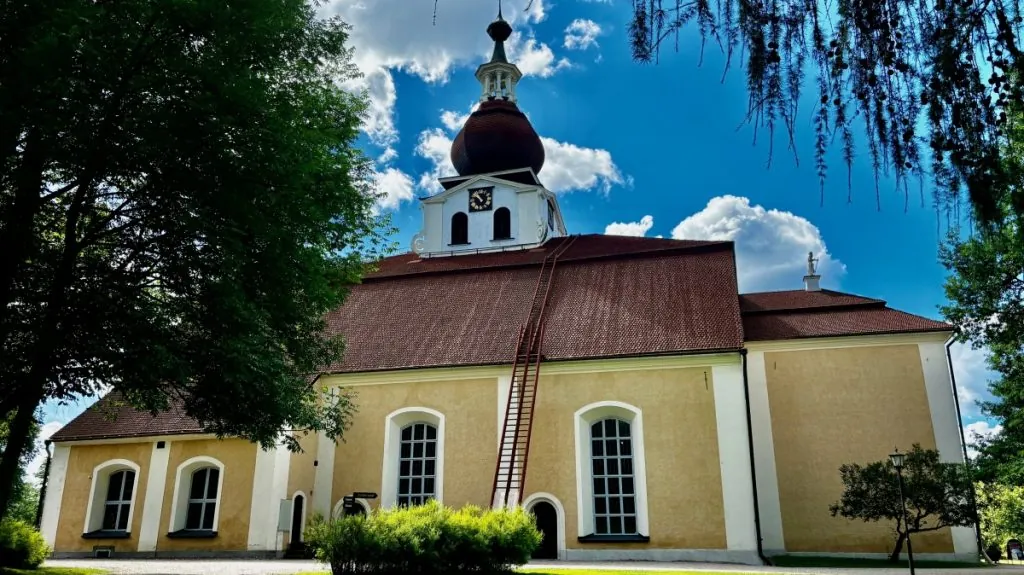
x=938 y=494
x=181 y=204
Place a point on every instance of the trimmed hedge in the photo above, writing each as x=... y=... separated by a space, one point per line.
x=21 y=546
x=426 y=539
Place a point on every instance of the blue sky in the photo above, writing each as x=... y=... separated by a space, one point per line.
x=657 y=149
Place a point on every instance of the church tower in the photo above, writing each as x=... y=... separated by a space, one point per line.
x=497 y=202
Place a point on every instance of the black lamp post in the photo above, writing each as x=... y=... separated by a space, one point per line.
x=897 y=462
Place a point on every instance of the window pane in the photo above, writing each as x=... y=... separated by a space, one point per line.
x=600 y=505
x=417 y=431
x=611 y=447
x=193 y=518
x=598 y=486
x=627 y=486
x=403 y=468
x=613 y=485
x=628 y=505
x=597 y=430
x=403 y=501
x=406 y=450
x=198 y=484
x=122 y=520
x=629 y=525
x=417 y=468
x=614 y=525
x=623 y=429
x=613 y=467
x=211 y=487
x=114 y=486
x=601 y=525
x=598 y=448
x=417 y=486
x=626 y=447
x=417 y=450
x=403 y=486
x=431 y=432
x=109 y=517
x=129 y=485
x=609 y=428
x=598 y=467
x=407 y=433
x=627 y=466
x=428 y=486
x=429 y=467
x=614 y=505
x=208 y=512
x=431 y=449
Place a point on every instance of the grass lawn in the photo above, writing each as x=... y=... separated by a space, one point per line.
x=51 y=571
x=568 y=571
x=797 y=561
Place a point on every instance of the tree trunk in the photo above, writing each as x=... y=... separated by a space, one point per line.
x=895 y=555
x=17 y=441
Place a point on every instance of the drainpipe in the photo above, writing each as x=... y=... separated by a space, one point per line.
x=42 y=488
x=753 y=469
x=963 y=448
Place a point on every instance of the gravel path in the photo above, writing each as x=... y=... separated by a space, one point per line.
x=290 y=567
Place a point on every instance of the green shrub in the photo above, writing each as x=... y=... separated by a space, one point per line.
x=21 y=546
x=426 y=539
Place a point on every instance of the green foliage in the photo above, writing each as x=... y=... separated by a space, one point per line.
x=21 y=546
x=1002 y=512
x=937 y=494
x=429 y=538
x=182 y=203
x=24 y=495
x=985 y=289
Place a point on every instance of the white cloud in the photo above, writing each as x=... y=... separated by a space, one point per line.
x=973 y=432
x=533 y=58
x=638 y=229
x=581 y=34
x=387 y=156
x=401 y=35
x=393 y=187
x=771 y=245
x=567 y=167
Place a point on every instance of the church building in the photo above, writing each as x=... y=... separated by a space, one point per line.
x=619 y=388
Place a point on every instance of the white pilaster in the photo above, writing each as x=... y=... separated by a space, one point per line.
x=772 y=536
x=323 y=479
x=263 y=504
x=279 y=491
x=54 y=492
x=945 y=425
x=734 y=457
x=156 y=480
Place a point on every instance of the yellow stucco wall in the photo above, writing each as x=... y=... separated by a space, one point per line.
x=239 y=459
x=470 y=410
x=835 y=406
x=82 y=459
x=684 y=484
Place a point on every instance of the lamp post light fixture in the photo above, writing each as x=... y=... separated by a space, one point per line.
x=897 y=460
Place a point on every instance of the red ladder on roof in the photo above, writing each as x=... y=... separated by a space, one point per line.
x=514 y=448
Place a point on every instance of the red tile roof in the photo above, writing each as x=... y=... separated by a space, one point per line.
x=612 y=296
x=107 y=419
x=802 y=314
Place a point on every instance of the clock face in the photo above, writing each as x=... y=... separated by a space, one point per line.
x=481 y=199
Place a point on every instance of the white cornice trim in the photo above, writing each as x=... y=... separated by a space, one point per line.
x=849 y=341
x=489 y=178
x=142 y=439
x=553 y=367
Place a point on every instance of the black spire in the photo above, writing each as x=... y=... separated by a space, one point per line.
x=499 y=31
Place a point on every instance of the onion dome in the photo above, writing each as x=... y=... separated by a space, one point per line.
x=497 y=136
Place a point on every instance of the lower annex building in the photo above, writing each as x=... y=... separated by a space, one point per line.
x=619 y=388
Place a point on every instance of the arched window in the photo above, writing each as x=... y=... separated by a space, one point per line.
x=611 y=456
x=118 y=505
x=611 y=473
x=111 y=503
x=417 y=464
x=195 y=504
x=202 y=499
x=460 y=229
x=413 y=470
x=502 y=224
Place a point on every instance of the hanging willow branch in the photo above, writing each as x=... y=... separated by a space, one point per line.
x=927 y=80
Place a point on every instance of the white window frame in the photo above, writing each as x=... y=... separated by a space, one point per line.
x=393 y=425
x=542 y=497
x=98 y=493
x=305 y=510
x=182 y=484
x=584 y=418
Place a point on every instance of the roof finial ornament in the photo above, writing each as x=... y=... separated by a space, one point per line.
x=812 y=277
x=499 y=10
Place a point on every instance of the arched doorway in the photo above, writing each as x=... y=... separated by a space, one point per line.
x=296 y=533
x=547 y=523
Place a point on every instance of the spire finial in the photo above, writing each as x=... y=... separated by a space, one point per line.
x=499 y=31
x=499 y=10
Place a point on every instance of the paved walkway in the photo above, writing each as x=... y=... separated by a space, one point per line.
x=291 y=567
